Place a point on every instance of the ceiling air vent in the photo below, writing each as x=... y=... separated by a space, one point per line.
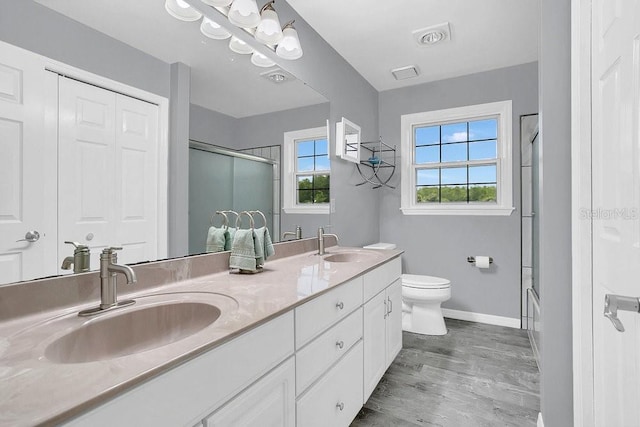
x=435 y=34
x=404 y=73
x=278 y=76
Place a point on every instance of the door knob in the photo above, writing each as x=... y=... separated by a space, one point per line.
x=31 y=236
x=613 y=303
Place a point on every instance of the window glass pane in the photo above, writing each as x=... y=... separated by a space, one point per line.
x=321 y=182
x=483 y=193
x=428 y=177
x=483 y=129
x=427 y=194
x=481 y=174
x=427 y=135
x=453 y=193
x=454 y=175
x=321 y=146
x=305 y=148
x=305 y=164
x=454 y=152
x=429 y=154
x=322 y=163
x=305 y=196
x=456 y=132
x=482 y=150
x=305 y=182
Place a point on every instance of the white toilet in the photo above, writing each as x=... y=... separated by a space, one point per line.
x=421 y=300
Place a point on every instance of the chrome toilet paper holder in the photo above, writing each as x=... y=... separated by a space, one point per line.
x=472 y=260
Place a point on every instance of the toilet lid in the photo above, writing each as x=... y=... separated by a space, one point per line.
x=424 y=282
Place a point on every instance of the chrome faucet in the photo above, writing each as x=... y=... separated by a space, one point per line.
x=297 y=234
x=108 y=280
x=81 y=259
x=321 y=236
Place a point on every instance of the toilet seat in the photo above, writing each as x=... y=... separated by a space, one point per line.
x=424 y=282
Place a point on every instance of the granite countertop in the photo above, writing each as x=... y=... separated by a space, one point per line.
x=36 y=390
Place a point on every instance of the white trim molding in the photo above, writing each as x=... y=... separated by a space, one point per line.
x=540 y=422
x=504 y=161
x=289 y=171
x=488 y=319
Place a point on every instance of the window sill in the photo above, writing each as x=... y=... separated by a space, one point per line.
x=458 y=210
x=317 y=210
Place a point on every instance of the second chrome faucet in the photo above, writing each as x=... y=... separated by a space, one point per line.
x=321 y=236
x=108 y=283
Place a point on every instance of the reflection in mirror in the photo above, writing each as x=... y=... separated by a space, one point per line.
x=143 y=40
x=348 y=141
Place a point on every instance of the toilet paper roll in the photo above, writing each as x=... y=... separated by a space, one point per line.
x=482 y=261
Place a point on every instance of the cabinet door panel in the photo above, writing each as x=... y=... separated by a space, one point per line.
x=374 y=337
x=394 y=321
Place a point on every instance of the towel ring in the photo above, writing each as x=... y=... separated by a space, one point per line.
x=232 y=212
x=239 y=220
x=225 y=219
x=264 y=218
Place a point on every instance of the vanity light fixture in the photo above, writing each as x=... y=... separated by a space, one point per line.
x=244 y=13
x=181 y=10
x=213 y=30
x=217 y=3
x=289 y=47
x=268 y=31
x=239 y=46
x=260 y=60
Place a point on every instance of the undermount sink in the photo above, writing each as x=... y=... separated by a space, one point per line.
x=355 y=256
x=153 y=321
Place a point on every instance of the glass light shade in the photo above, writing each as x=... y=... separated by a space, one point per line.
x=217 y=3
x=289 y=47
x=259 y=60
x=244 y=13
x=269 y=31
x=238 y=46
x=181 y=10
x=213 y=30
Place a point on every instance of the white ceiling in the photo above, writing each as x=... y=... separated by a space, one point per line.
x=220 y=79
x=376 y=36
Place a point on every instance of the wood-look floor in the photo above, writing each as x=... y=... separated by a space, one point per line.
x=476 y=375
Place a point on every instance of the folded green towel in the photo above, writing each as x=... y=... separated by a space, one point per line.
x=259 y=243
x=216 y=239
x=265 y=245
x=231 y=232
x=243 y=251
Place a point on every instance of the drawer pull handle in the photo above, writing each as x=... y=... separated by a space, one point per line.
x=390 y=306
x=340 y=344
x=340 y=405
x=340 y=305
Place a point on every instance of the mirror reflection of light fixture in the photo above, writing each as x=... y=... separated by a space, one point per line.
x=213 y=30
x=260 y=60
x=289 y=47
x=181 y=10
x=217 y=3
x=239 y=46
x=269 y=31
x=244 y=13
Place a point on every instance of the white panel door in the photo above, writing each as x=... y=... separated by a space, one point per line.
x=108 y=169
x=616 y=206
x=86 y=167
x=22 y=168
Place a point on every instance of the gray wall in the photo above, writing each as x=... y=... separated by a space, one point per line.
x=31 y=26
x=439 y=245
x=211 y=127
x=555 y=213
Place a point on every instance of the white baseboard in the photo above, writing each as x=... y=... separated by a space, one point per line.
x=489 y=319
x=540 y=422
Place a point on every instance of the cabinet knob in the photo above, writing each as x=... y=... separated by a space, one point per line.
x=340 y=405
x=340 y=344
x=340 y=305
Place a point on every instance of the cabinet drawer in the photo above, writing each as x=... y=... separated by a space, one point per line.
x=313 y=360
x=320 y=313
x=378 y=279
x=337 y=398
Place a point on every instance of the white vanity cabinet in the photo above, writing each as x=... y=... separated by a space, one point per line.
x=382 y=323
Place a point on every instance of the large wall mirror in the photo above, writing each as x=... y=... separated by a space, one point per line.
x=235 y=106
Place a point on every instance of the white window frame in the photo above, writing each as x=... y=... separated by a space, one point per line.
x=289 y=177
x=504 y=204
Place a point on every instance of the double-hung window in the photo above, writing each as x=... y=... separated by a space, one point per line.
x=457 y=161
x=307 y=171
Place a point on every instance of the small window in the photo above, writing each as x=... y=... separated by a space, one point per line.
x=458 y=161
x=307 y=171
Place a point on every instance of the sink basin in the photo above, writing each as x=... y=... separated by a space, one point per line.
x=131 y=331
x=355 y=256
